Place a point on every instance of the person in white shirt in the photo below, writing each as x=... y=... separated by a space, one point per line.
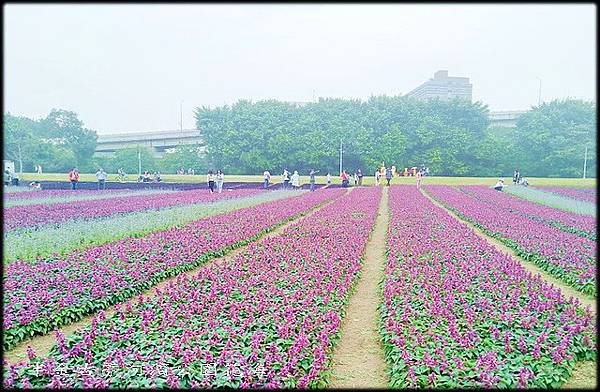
x=377 y=177
x=101 y=177
x=220 y=178
x=499 y=185
x=328 y=179
x=266 y=177
x=296 y=179
x=286 y=178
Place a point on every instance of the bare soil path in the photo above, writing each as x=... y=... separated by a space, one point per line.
x=584 y=373
x=358 y=360
x=43 y=343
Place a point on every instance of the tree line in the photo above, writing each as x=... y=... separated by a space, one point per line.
x=452 y=138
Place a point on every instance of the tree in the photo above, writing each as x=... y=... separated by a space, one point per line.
x=127 y=159
x=186 y=156
x=551 y=139
x=64 y=128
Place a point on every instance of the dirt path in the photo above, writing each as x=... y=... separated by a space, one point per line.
x=584 y=373
x=358 y=361
x=43 y=343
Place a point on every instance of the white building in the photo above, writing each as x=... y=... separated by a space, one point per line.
x=444 y=87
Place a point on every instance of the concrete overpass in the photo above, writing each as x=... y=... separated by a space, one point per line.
x=157 y=141
x=506 y=118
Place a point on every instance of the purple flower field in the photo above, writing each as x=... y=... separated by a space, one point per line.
x=269 y=317
x=567 y=256
x=585 y=194
x=459 y=314
x=50 y=292
x=41 y=214
x=585 y=223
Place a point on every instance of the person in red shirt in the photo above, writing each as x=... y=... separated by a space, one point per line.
x=345 y=179
x=74 y=178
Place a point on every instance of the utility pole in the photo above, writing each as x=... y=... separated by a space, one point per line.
x=585 y=162
x=139 y=162
x=181 y=116
x=540 y=93
x=341 y=149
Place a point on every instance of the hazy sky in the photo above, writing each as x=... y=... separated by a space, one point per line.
x=127 y=67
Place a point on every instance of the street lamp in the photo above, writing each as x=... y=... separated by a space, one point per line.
x=181 y=116
x=585 y=162
x=341 y=149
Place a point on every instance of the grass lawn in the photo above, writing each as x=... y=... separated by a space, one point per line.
x=489 y=181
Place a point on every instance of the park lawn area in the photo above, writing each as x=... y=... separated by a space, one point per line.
x=370 y=180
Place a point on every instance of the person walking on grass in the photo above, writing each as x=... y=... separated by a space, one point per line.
x=266 y=177
x=355 y=179
x=360 y=177
x=388 y=175
x=210 y=179
x=286 y=178
x=328 y=178
x=101 y=178
x=220 y=178
x=377 y=177
x=74 y=178
x=313 y=179
x=296 y=180
x=419 y=177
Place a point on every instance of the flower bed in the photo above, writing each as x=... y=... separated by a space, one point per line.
x=552 y=200
x=54 y=197
x=582 y=225
x=565 y=255
x=585 y=194
x=459 y=314
x=267 y=318
x=61 y=238
x=41 y=295
x=39 y=214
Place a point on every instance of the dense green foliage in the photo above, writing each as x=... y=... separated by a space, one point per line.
x=57 y=142
x=450 y=137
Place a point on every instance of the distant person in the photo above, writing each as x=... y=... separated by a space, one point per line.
x=101 y=178
x=7 y=177
x=405 y=172
x=388 y=175
x=121 y=175
x=499 y=185
x=313 y=179
x=360 y=177
x=36 y=185
x=266 y=178
x=419 y=177
x=516 y=176
x=286 y=178
x=295 y=180
x=328 y=178
x=14 y=178
x=156 y=177
x=74 y=178
x=219 y=179
x=377 y=177
x=427 y=171
x=345 y=179
x=355 y=179
x=523 y=181
x=210 y=179
x=39 y=169
x=146 y=177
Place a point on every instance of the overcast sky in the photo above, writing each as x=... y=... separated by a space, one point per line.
x=128 y=67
